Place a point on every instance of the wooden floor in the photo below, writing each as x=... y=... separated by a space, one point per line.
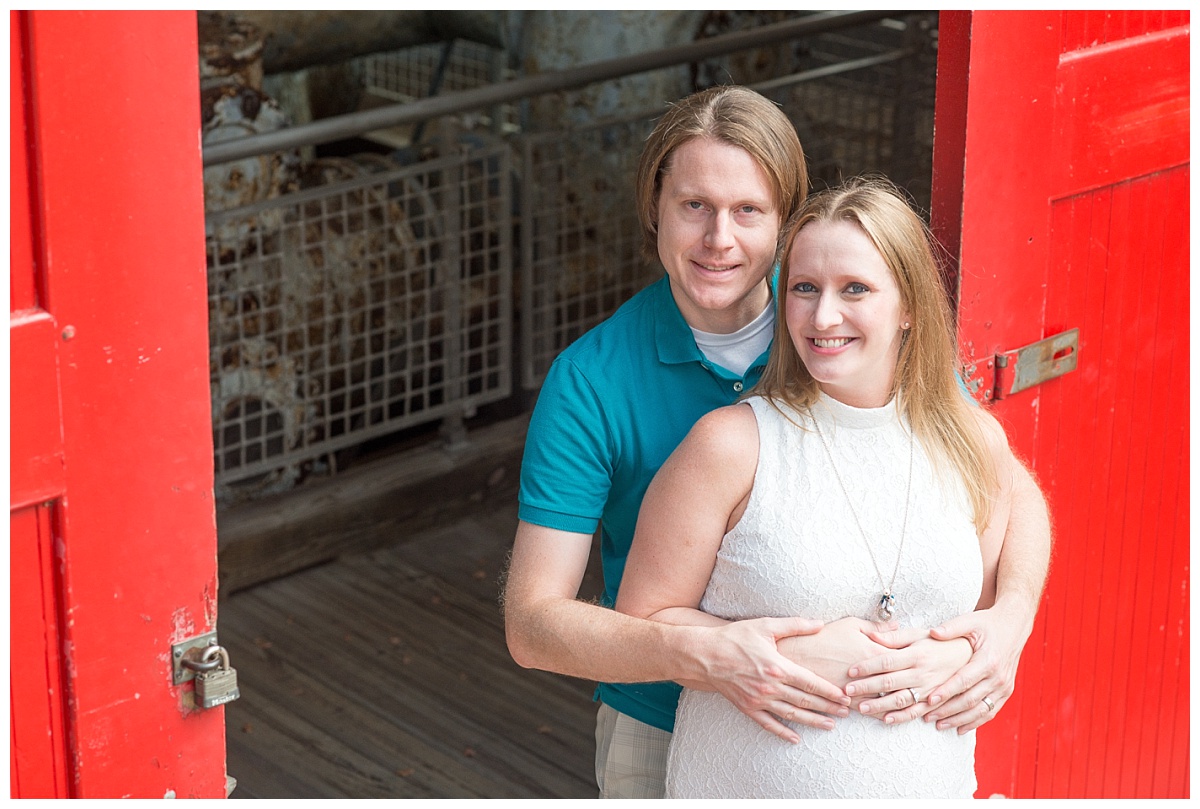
x=385 y=675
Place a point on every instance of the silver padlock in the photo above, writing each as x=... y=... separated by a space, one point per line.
x=218 y=685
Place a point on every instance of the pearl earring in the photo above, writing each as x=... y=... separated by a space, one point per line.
x=905 y=325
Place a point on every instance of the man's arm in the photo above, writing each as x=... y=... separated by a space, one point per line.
x=548 y=628
x=998 y=633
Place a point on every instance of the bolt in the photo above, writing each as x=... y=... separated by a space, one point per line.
x=68 y=332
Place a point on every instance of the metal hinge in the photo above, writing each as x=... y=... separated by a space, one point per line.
x=1001 y=375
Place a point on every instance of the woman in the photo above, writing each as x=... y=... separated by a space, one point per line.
x=858 y=481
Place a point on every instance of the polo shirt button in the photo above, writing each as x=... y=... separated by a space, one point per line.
x=737 y=387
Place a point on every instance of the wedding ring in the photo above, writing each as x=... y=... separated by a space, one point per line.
x=991 y=706
x=916 y=695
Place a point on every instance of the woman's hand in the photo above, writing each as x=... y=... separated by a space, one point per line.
x=830 y=652
x=913 y=665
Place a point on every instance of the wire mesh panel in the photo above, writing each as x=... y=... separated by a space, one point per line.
x=581 y=238
x=376 y=300
x=865 y=103
x=422 y=71
x=861 y=98
x=409 y=73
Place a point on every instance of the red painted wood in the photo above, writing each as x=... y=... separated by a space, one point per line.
x=950 y=145
x=38 y=752
x=38 y=756
x=22 y=289
x=35 y=431
x=1124 y=111
x=1171 y=742
x=118 y=193
x=1089 y=227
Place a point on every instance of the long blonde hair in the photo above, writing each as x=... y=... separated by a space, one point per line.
x=931 y=399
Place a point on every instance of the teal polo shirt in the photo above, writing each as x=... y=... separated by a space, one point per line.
x=614 y=405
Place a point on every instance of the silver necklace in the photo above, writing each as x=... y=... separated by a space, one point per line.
x=887 y=601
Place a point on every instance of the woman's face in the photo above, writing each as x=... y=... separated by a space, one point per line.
x=844 y=312
x=717 y=226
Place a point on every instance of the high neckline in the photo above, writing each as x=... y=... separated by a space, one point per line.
x=858 y=418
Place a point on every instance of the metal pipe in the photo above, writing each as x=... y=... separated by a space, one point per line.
x=354 y=124
x=833 y=70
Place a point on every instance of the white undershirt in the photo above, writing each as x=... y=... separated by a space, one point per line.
x=736 y=351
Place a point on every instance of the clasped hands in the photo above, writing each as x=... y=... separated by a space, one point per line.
x=790 y=672
x=892 y=674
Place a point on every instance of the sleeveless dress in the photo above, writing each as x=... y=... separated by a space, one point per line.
x=797 y=551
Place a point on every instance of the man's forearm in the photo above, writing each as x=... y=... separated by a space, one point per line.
x=585 y=640
x=1025 y=556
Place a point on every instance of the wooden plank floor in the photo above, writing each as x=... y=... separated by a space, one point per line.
x=385 y=675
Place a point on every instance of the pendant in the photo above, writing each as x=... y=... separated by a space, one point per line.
x=887 y=606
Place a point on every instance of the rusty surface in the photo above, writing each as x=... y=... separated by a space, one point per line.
x=230 y=50
x=293 y=40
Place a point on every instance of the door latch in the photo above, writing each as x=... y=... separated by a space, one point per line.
x=201 y=659
x=999 y=376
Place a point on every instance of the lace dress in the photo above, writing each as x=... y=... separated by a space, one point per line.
x=797 y=551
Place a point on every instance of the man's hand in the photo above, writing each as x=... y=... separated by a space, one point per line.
x=997 y=641
x=744 y=665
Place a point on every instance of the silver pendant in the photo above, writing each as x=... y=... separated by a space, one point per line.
x=887 y=606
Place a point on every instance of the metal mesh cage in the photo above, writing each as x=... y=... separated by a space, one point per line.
x=581 y=239
x=422 y=71
x=355 y=308
x=866 y=104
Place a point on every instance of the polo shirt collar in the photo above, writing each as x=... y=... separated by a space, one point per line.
x=672 y=336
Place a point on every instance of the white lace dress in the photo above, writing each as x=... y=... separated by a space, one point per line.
x=797 y=551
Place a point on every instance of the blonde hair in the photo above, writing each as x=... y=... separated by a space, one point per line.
x=932 y=399
x=731 y=114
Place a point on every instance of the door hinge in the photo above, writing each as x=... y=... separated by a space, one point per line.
x=999 y=376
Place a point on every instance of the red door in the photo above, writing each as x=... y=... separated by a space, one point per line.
x=113 y=536
x=1062 y=185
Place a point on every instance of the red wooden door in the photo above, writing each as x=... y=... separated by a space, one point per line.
x=112 y=525
x=1062 y=185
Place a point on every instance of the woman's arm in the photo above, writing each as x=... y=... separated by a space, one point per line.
x=696 y=497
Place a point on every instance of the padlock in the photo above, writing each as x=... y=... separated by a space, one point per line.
x=218 y=685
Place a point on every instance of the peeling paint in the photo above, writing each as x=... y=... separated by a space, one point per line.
x=68 y=649
x=182 y=625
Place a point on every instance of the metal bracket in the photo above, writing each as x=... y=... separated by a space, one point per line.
x=1000 y=376
x=190 y=649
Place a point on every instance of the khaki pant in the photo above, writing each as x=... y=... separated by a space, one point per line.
x=631 y=756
